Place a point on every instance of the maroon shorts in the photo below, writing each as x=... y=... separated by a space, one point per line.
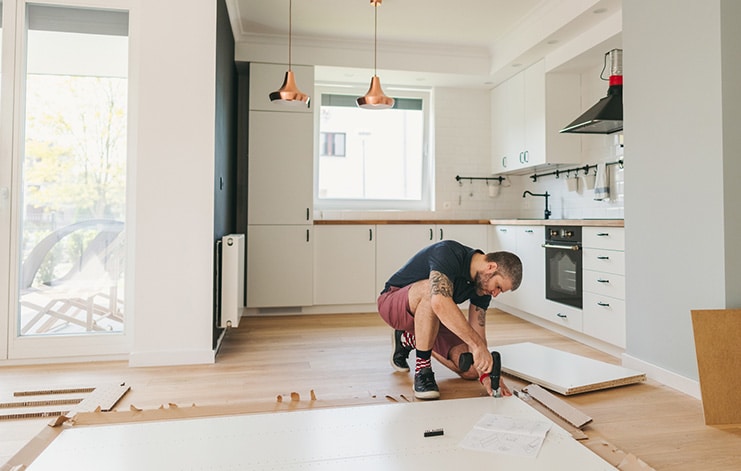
x=393 y=305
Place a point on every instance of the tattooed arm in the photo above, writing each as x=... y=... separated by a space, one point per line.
x=477 y=319
x=443 y=306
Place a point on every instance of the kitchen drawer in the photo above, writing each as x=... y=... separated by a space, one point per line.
x=561 y=314
x=612 y=238
x=604 y=284
x=604 y=318
x=610 y=261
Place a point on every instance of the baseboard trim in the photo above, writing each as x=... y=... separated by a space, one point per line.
x=172 y=358
x=668 y=378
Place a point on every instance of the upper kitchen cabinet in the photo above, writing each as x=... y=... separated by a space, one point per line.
x=528 y=110
x=267 y=78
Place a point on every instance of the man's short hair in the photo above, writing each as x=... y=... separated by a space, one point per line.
x=509 y=266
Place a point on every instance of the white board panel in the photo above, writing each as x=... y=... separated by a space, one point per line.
x=563 y=372
x=385 y=437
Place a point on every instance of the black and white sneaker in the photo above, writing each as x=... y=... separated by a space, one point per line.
x=400 y=353
x=425 y=386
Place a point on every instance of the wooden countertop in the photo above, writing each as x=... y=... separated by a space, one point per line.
x=320 y=222
x=508 y=222
x=560 y=222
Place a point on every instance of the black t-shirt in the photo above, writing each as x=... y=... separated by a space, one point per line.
x=450 y=258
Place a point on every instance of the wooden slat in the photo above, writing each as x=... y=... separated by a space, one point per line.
x=564 y=410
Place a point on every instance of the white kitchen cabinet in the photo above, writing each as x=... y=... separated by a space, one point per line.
x=397 y=243
x=502 y=238
x=280 y=266
x=472 y=235
x=526 y=242
x=604 y=284
x=531 y=293
x=280 y=168
x=266 y=78
x=345 y=264
x=527 y=112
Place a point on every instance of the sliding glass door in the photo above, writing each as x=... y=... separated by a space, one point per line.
x=69 y=178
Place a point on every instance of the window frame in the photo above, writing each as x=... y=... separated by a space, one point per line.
x=357 y=204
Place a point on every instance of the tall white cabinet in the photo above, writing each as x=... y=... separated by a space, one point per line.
x=280 y=242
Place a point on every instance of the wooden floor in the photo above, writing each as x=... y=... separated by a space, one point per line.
x=346 y=358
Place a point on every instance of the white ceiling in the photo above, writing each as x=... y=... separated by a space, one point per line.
x=471 y=27
x=470 y=23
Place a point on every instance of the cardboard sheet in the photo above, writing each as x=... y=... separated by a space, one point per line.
x=719 y=364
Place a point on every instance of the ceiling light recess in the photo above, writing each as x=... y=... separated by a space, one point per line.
x=289 y=93
x=375 y=99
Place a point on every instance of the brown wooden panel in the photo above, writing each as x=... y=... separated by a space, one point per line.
x=719 y=363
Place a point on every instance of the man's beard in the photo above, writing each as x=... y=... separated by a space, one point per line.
x=481 y=280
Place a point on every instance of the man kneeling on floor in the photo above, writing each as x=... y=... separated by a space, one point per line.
x=420 y=301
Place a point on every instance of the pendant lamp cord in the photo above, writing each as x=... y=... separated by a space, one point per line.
x=290 y=29
x=375 y=38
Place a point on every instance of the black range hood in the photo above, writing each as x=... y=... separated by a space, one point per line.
x=605 y=117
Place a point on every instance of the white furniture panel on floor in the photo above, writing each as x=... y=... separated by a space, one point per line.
x=563 y=372
x=385 y=437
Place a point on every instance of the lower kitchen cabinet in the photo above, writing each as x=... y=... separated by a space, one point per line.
x=527 y=243
x=472 y=235
x=395 y=245
x=280 y=269
x=604 y=284
x=345 y=264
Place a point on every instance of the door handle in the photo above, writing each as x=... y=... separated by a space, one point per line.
x=602 y=281
x=562 y=316
x=602 y=257
x=370 y=234
x=600 y=303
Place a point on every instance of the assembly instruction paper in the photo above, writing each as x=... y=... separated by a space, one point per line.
x=505 y=434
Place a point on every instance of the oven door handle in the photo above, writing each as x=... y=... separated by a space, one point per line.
x=562 y=247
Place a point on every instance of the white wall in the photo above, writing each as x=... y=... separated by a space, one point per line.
x=171 y=216
x=682 y=181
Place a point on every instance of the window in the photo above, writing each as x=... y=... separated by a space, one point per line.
x=385 y=163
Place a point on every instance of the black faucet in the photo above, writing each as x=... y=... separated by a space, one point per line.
x=547 y=211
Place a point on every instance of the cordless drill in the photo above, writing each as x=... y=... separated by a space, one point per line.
x=466 y=360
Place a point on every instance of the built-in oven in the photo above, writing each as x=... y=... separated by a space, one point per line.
x=563 y=263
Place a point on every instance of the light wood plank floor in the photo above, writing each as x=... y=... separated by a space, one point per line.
x=346 y=357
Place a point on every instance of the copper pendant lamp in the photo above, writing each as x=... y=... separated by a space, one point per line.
x=375 y=99
x=289 y=93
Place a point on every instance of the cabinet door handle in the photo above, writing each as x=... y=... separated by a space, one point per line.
x=370 y=234
x=562 y=316
x=602 y=281
x=502 y=230
x=307 y=235
x=603 y=234
x=529 y=231
x=431 y=234
x=441 y=233
x=603 y=257
x=600 y=303
x=307 y=214
x=504 y=161
x=526 y=155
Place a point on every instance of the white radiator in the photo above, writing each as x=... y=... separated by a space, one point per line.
x=232 y=279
